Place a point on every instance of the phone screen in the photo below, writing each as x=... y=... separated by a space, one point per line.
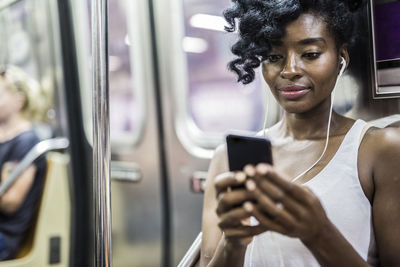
x=243 y=150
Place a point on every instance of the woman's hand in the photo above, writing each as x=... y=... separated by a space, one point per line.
x=234 y=208
x=285 y=207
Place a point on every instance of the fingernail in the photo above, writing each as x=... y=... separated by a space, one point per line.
x=249 y=170
x=240 y=177
x=279 y=206
x=262 y=168
x=248 y=206
x=250 y=185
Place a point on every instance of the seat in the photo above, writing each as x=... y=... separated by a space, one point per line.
x=48 y=241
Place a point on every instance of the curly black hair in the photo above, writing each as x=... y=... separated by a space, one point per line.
x=260 y=21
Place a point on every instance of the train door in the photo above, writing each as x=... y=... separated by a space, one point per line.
x=137 y=194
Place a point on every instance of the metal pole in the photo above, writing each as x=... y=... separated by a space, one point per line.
x=101 y=133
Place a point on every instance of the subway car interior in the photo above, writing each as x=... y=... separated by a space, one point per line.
x=171 y=102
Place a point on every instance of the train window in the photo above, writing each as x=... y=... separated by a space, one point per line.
x=126 y=103
x=16 y=44
x=214 y=102
x=126 y=90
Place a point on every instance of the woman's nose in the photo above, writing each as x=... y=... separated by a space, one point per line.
x=291 y=69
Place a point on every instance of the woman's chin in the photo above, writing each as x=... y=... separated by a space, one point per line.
x=295 y=107
x=304 y=105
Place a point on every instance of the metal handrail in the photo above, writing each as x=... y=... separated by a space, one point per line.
x=101 y=135
x=192 y=256
x=37 y=151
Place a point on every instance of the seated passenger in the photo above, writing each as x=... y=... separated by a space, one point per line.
x=313 y=207
x=20 y=98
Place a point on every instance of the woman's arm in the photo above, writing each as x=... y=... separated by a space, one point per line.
x=384 y=145
x=215 y=250
x=211 y=232
x=15 y=195
x=228 y=254
x=224 y=210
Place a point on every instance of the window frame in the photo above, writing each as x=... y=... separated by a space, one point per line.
x=134 y=13
x=195 y=141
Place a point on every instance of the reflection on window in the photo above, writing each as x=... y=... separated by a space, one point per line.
x=125 y=107
x=124 y=111
x=16 y=43
x=216 y=101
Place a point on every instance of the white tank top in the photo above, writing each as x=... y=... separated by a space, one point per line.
x=338 y=188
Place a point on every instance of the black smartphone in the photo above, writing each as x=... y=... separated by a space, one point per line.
x=243 y=150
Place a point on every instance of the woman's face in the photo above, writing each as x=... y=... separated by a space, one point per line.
x=302 y=67
x=10 y=102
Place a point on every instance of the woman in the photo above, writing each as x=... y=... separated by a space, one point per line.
x=21 y=101
x=345 y=210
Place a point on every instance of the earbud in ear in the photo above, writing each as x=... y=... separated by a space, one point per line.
x=343 y=67
x=343 y=62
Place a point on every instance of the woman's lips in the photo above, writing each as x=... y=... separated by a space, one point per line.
x=293 y=92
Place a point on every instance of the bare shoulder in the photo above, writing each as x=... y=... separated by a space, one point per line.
x=381 y=143
x=220 y=152
x=383 y=148
x=219 y=162
x=380 y=155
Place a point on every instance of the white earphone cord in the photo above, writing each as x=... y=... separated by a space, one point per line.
x=326 y=141
x=281 y=261
x=329 y=123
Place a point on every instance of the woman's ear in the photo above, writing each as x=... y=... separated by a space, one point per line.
x=343 y=52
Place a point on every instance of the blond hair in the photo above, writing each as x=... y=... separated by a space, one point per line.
x=37 y=98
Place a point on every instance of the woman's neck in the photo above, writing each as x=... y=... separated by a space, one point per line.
x=310 y=125
x=13 y=126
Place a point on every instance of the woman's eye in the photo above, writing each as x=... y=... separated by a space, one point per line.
x=273 y=58
x=312 y=55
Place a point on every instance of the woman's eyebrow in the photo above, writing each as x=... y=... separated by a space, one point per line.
x=306 y=41
x=311 y=41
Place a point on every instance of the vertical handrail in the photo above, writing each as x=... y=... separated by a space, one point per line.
x=101 y=134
